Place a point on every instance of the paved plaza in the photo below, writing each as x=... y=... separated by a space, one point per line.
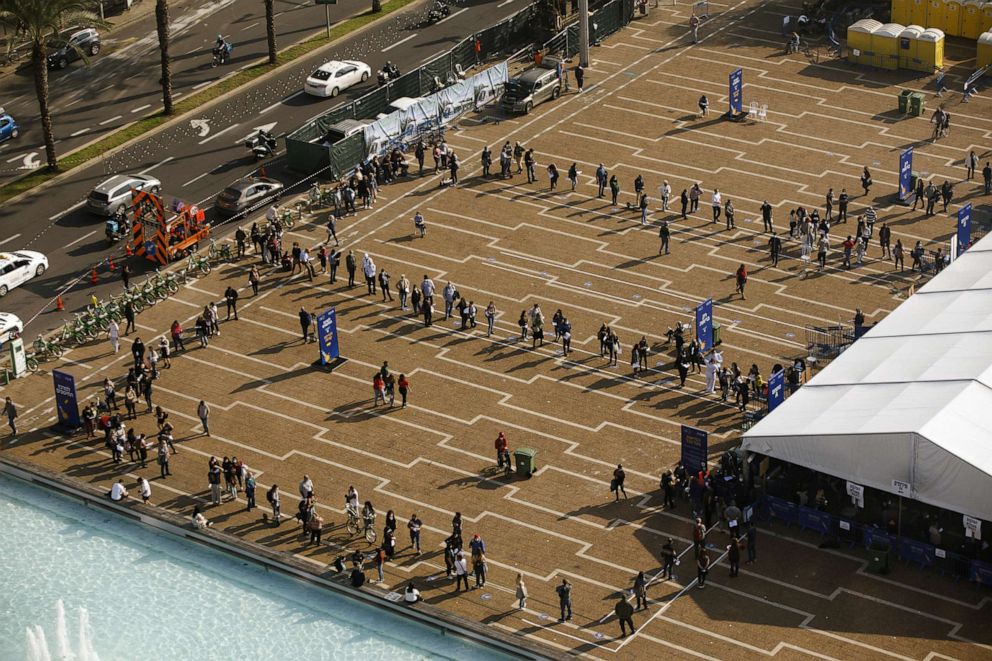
x=517 y=244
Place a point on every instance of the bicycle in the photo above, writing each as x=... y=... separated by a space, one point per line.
x=197 y=263
x=31 y=362
x=224 y=252
x=354 y=526
x=47 y=348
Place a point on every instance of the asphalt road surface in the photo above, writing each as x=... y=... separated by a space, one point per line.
x=194 y=166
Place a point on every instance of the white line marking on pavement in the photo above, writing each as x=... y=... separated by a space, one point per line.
x=160 y=163
x=195 y=179
x=203 y=84
x=69 y=245
x=112 y=119
x=79 y=132
x=249 y=27
x=140 y=108
x=282 y=101
x=9 y=239
x=221 y=132
x=16 y=158
x=70 y=209
x=401 y=41
x=451 y=16
x=504 y=3
x=193 y=50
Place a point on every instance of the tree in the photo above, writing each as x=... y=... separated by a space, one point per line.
x=270 y=29
x=162 y=24
x=38 y=21
x=376 y=6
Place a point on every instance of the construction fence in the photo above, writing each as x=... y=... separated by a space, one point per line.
x=306 y=151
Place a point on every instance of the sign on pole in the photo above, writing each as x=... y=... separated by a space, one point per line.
x=704 y=324
x=905 y=174
x=776 y=390
x=66 y=403
x=902 y=488
x=857 y=494
x=694 y=449
x=737 y=92
x=327 y=335
x=964 y=228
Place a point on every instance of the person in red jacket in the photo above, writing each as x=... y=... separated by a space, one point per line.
x=741 y=280
x=502 y=454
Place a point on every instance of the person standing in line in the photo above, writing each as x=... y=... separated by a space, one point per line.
x=664 y=234
x=369 y=270
x=565 y=599
x=384 y=285
x=250 y=490
x=114 y=333
x=521 y=592
x=702 y=567
x=203 y=412
x=213 y=479
x=641 y=591
x=403 y=289
x=624 y=612
x=351 y=264
x=619 y=476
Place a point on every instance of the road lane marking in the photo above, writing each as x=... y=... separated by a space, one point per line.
x=140 y=108
x=69 y=210
x=69 y=245
x=16 y=158
x=451 y=16
x=221 y=132
x=195 y=179
x=159 y=164
x=249 y=27
x=504 y=3
x=282 y=101
x=9 y=239
x=203 y=84
x=79 y=132
x=112 y=119
x=395 y=44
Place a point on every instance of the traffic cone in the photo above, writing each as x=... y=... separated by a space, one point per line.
x=58 y=304
x=127 y=249
x=110 y=262
x=93 y=276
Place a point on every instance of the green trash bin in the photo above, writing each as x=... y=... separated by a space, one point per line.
x=524 y=458
x=917 y=103
x=716 y=334
x=878 y=557
x=904 y=101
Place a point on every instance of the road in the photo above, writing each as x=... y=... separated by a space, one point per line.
x=195 y=167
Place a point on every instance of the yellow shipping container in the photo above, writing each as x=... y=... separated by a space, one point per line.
x=935 y=14
x=909 y=47
x=952 y=18
x=930 y=50
x=885 y=44
x=985 y=50
x=859 y=47
x=971 y=19
x=901 y=11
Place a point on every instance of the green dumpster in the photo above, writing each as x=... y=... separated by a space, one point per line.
x=904 y=101
x=524 y=458
x=878 y=557
x=716 y=334
x=917 y=101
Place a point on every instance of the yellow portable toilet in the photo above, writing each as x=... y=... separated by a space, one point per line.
x=901 y=12
x=917 y=12
x=985 y=50
x=930 y=50
x=971 y=19
x=885 y=44
x=859 y=46
x=935 y=14
x=952 y=18
x=909 y=46
x=987 y=17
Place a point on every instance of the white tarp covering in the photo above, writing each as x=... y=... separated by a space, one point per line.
x=911 y=400
x=404 y=126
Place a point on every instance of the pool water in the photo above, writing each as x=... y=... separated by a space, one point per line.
x=151 y=596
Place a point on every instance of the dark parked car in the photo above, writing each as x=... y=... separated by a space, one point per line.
x=72 y=44
x=246 y=193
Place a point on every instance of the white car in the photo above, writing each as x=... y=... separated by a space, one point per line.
x=16 y=268
x=10 y=325
x=331 y=78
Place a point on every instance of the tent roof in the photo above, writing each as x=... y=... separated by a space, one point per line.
x=919 y=383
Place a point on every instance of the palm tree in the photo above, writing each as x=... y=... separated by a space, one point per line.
x=270 y=29
x=162 y=23
x=376 y=6
x=38 y=21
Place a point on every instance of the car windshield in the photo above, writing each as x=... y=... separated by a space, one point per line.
x=320 y=74
x=21 y=255
x=519 y=87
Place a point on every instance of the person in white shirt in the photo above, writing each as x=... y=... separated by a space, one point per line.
x=412 y=594
x=145 y=489
x=369 y=270
x=666 y=194
x=272 y=214
x=114 y=333
x=199 y=521
x=118 y=492
x=717 y=204
x=352 y=500
x=306 y=487
x=461 y=572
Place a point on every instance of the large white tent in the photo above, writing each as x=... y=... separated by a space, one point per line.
x=909 y=401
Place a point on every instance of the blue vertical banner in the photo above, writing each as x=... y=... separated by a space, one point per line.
x=327 y=335
x=776 y=390
x=905 y=174
x=964 y=228
x=694 y=449
x=736 y=92
x=704 y=324
x=66 y=402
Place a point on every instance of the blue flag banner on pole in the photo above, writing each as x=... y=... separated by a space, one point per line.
x=704 y=324
x=964 y=228
x=776 y=390
x=905 y=174
x=66 y=403
x=736 y=92
x=327 y=335
x=694 y=448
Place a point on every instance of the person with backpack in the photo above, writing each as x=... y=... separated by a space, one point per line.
x=272 y=495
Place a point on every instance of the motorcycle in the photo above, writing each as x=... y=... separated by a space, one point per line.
x=438 y=11
x=388 y=72
x=222 y=54
x=117 y=227
x=262 y=145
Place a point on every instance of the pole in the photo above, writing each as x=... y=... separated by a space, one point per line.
x=327 y=16
x=584 y=33
x=899 y=522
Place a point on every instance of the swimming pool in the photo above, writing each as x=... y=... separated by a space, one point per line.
x=152 y=596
